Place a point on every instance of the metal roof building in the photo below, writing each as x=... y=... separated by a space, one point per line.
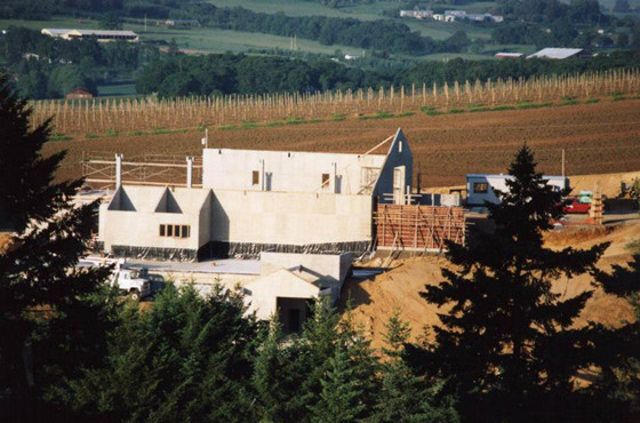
x=100 y=35
x=556 y=53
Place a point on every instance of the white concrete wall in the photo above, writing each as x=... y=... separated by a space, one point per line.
x=290 y=218
x=263 y=293
x=329 y=267
x=399 y=154
x=141 y=229
x=138 y=225
x=228 y=169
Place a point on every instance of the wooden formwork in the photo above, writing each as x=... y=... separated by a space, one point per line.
x=410 y=227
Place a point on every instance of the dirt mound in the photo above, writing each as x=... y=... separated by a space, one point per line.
x=5 y=241
x=374 y=300
x=620 y=235
x=608 y=184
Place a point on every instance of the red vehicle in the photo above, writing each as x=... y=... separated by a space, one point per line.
x=573 y=206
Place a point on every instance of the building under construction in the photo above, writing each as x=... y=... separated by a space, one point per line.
x=279 y=201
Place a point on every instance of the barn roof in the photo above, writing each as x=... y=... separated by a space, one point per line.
x=555 y=53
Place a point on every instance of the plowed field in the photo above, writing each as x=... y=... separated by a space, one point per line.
x=598 y=138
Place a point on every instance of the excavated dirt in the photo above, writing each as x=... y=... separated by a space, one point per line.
x=5 y=239
x=374 y=300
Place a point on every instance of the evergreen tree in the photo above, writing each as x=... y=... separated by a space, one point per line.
x=319 y=338
x=27 y=191
x=363 y=362
x=340 y=396
x=278 y=374
x=506 y=345
x=53 y=315
x=188 y=358
x=615 y=395
x=403 y=396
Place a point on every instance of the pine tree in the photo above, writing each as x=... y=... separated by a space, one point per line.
x=506 y=346
x=340 y=396
x=362 y=360
x=188 y=358
x=615 y=394
x=277 y=377
x=53 y=315
x=403 y=396
x=27 y=191
x=319 y=339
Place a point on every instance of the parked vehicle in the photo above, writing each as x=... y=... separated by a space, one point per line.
x=130 y=282
x=574 y=206
x=156 y=282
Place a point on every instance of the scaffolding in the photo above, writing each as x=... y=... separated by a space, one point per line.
x=103 y=170
x=418 y=228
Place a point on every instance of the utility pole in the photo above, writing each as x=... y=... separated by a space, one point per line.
x=563 y=162
x=205 y=140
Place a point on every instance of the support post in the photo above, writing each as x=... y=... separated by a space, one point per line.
x=118 y=170
x=189 y=171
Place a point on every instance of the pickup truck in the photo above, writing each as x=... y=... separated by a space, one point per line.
x=131 y=282
x=574 y=206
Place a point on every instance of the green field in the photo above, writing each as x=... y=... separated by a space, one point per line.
x=436 y=30
x=200 y=40
x=210 y=40
x=117 y=90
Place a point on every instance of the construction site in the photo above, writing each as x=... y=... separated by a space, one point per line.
x=286 y=226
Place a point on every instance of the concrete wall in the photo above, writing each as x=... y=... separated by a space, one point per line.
x=263 y=293
x=399 y=154
x=131 y=219
x=329 y=267
x=228 y=169
x=290 y=218
x=140 y=229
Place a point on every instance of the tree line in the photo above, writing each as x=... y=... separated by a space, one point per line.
x=215 y=74
x=506 y=348
x=46 y=67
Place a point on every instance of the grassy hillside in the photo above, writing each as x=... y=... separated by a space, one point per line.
x=436 y=30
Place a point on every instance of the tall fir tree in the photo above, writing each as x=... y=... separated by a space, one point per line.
x=53 y=315
x=340 y=397
x=278 y=374
x=188 y=358
x=615 y=394
x=506 y=345
x=404 y=396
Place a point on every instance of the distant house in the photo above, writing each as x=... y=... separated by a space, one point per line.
x=506 y=55
x=78 y=94
x=557 y=53
x=417 y=14
x=31 y=56
x=99 y=35
x=181 y=23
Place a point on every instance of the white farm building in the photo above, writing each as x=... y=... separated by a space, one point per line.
x=99 y=35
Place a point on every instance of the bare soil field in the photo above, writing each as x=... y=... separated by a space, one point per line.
x=598 y=138
x=374 y=300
